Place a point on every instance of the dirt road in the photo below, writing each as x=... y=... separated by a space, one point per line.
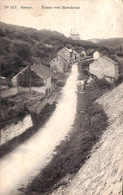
x=26 y=161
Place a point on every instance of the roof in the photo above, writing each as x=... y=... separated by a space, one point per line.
x=110 y=60
x=70 y=50
x=102 y=59
x=65 y=48
x=75 y=52
x=42 y=71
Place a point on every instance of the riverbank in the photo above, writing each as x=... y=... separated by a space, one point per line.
x=89 y=124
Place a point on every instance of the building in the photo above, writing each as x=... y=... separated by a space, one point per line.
x=75 y=56
x=104 y=67
x=74 y=35
x=63 y=60
x=36 y=77
x=83 y=54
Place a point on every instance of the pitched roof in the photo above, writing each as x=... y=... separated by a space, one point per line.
x=70 y=50
x=110 y=60
x=105 y=58
x=42 y=71
x=62 y=50
x=75 y=52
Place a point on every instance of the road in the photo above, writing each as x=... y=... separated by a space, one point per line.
x=26 y=161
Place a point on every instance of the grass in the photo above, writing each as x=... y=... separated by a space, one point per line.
x=89 y=124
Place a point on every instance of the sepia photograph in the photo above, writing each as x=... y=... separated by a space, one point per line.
x=61 y=97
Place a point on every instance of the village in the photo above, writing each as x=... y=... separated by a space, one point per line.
x=53 y=113
x=44 y=80
x=39 y=86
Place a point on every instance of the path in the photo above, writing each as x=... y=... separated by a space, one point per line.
x=26 y=161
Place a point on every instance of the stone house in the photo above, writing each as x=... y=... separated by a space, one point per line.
x=63 y=60
x=104 y=67
x=36 y=77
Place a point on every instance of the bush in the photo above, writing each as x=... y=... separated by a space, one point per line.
x=21 y=48
x=103 y=84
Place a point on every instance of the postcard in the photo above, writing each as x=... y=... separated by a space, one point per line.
x=61 y=83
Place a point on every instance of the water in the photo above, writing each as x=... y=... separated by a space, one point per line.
x=26 y=161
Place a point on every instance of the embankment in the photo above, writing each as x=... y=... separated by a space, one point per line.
x=14 y=130
x=21 y=116
x=103 y=172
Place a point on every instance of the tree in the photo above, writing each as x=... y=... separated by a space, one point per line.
x=21 y=48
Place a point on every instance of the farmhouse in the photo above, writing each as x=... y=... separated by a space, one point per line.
x=36 y=77
x=104 y=67
x=63 y=60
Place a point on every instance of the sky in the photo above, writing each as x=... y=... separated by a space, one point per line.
x=94 y=18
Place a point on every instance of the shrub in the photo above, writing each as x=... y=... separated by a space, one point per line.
x=103 y=84
x=21 y=48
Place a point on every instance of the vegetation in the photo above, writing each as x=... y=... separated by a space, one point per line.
x=16 y=141
x=90 y=122
x=21 y=46
x=112 y=43
x=14 y=108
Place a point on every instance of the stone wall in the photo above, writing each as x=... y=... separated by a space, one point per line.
x=14 y=130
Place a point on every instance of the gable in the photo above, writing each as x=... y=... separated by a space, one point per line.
x=43 y=71
x=28 y=77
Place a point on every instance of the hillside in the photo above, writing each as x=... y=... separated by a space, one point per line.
x=102 y=173
x=21 y=46
x=109 y=43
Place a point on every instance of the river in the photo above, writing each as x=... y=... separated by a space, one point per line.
x=21 y=165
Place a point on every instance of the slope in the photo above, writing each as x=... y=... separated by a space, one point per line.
x=103 y=172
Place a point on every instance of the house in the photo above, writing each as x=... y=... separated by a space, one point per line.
x=104 y=67
x=59 y=64
x=75 y=56
x=63 y=60
x=36 y=77
x=83 y=54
